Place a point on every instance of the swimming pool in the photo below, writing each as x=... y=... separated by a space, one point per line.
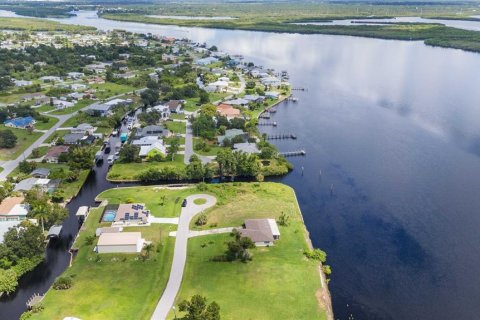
x=109 y=216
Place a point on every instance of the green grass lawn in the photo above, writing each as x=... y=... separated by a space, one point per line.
x=176 y=126
x=129 y=171
x=181 y=140
x=214 y=149
x=40 y=125
x=179 y=116
x=110 y=89
x=41 y=152
x=117 y=286
x=191 y=104
x=79 y=105
x=215 y=96
x=24 y=140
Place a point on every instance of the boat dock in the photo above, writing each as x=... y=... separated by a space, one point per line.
x=34 y=300
x=274 y=124
x=281 y=136
x=293 y=153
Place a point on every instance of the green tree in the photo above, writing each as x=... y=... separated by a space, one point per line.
x=197 y=309
x=24 y=241
x=80 y=158
x=8 y=281
x=129 y=153
x=173 y=147
x=26 y=166
x=7 y=139
x=238 y=248
x=149 y=97
x=227 y=164
x=195 y=169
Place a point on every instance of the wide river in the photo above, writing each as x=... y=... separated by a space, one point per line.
x=394 y=126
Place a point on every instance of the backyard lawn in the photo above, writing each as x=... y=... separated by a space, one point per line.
x=129 y=171
x=112 y=286
x=24 y=140
x=213 y=149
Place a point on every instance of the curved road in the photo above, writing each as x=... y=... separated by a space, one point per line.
x=180 y=254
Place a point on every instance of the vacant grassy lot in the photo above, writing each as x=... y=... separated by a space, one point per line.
x=24 y=140
x=40 y=125
x=112 y=286
x=129 y=171
x=214 y=149
x=176 y=126
x=279 y=283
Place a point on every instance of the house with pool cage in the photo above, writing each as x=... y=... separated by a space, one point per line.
x=126 y=214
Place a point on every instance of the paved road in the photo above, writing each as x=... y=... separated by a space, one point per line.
x=180 y=254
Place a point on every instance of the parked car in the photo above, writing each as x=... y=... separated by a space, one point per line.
x=184 y=203
x=110 y=159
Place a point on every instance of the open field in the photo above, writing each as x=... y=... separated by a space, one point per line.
x=110 y=89
x=79 y=105
x=176 y=126
x=46 y=125
x=24 y=140
x=113 y=286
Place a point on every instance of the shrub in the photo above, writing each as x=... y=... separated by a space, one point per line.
x=316 y=254
x=202 y=219
x=89 y=240
x=62 y=283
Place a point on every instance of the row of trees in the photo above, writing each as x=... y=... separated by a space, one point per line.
x=7 y=139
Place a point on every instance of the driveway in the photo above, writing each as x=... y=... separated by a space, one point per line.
x=180 y=254
x=189 y=148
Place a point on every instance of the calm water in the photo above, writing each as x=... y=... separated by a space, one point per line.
x=395 y=127
x=460 y=24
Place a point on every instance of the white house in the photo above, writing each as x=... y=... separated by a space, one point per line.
x=120 y=242
x=146 y=141
x=75 y=75
x=158 y=146
x=22 y=83
x=62 y=104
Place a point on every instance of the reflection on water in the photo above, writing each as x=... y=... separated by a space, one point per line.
x=460 y=24
x=394 y=127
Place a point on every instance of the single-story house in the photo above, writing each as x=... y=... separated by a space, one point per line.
x=152 y=130
x=99 y=231
x=169 y=58
x=217 y=86
x=246 y=147
x=126 y=75
x=34 y=96
x=84 y=128
x=75 y=75
x=20 y=123
x=29 y=183
x=263 y=232
x=73 y=138
x=162 y=109
x=132 y=213
x=78 y=86
x=50 y=79
x=175 y=106
x=146 y=141
x=40 y=173
x=62 y=104
x=22 y=83
x=272 y=94
x=228 y=111
x=54 y=152
x=13 y=209
x=230 y=134
x=99 y=109
x=271 y=81
x=238 y=102
x=157 y=147
x=206 y=61
x=254 y=98
x=120 y=242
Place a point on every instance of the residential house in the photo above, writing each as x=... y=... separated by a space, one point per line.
x=272 y=94
x=22 y=83
x=238 y=102
x=84 y=128
x=13 y=209
x=156 y=147
x=217 y=86
x=263 y=232
x=146 y=141
x=230 y=134
x=271 y=81
x=246 y=147
x=62 y=104
x=78 y=86
x=20 y=123
x=34 y=96
x=162 y=109
x=126 y=75
x=50 y=79
x=152 y=130
x=40 y=173
x=55 y=152
x=120 y=242
x=175 y=106
x=75 y=75
x=29 y=183
x=132 y=213
x=228 y=111
x=73 y=138
x=206 y=61
x=99 y=109
x=170 y=58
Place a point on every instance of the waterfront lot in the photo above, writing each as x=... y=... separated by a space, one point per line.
x=129 y=171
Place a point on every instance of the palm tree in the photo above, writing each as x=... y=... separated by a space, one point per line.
x=41 y=212
x=148 y=248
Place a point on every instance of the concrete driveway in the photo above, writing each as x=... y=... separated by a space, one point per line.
x=180 y=254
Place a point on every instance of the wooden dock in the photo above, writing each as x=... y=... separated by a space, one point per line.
x=274 y=124
x=34 y=300
x=281 y=136
x=293 y=153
